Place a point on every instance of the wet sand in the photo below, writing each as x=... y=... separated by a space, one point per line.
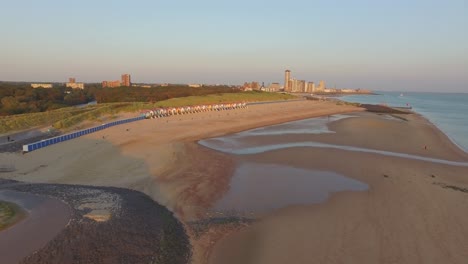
x=406 y=216
x=45 y=218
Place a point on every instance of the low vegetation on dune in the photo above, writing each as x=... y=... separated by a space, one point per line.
x=69 y=116
x=223 y=98
x=9 y=213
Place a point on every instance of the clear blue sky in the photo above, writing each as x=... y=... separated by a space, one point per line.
x=417 y=45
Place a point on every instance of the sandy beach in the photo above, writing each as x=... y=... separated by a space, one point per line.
x=413 y=211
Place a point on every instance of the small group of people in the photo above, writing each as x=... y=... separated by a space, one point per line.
x=170 y=111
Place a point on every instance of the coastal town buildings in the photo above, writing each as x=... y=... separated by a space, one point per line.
x=321 y=87
x=251 y=86
x=125 y=81
x=41 y=85
x=293 y=85
x=73 y=84
x=298 y=86
x=274 y=87
x=287 y=81
x=111 y=84
x=310 y=87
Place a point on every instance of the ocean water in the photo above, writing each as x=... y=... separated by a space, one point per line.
x=448 y=111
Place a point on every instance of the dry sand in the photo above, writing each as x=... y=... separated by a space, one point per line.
x=402 y=218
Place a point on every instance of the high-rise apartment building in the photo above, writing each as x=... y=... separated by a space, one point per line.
x=126 y=80
x=298 y=86
x=321 y=86
x=287 y=81
x=311 y=87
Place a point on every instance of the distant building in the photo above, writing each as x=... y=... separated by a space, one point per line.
x=348 y=90
x=41 y=85
x=287 y=81
x=251 y=86
x=274 y=87
x=73 y=84
x=330 y=90
x=126 y=81
x=192 y=85
x=255 y=86
x=111 y=84
x=298 y=86
x=311 y=87
x=321 y=87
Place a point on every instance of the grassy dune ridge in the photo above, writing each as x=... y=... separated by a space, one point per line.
x=70 y=116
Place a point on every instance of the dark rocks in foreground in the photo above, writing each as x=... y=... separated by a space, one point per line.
x=137 y=229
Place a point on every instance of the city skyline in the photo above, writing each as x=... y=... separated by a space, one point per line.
x=417 y=46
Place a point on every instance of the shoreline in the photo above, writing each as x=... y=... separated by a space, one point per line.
x=429 y=119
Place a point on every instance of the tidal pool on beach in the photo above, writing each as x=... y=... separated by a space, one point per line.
x=237 y=142
x=259 y=188
x=245 y=143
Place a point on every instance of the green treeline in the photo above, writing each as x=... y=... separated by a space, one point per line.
x=21 y=98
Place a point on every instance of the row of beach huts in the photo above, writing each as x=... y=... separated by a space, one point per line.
x=170 y=111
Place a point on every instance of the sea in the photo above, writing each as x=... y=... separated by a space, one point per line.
x=448 y=111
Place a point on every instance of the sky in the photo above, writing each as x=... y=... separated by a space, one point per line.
x=402 y=45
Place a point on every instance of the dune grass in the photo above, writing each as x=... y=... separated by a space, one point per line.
x=70 y=116
x=224 y=98
x=9 y=214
